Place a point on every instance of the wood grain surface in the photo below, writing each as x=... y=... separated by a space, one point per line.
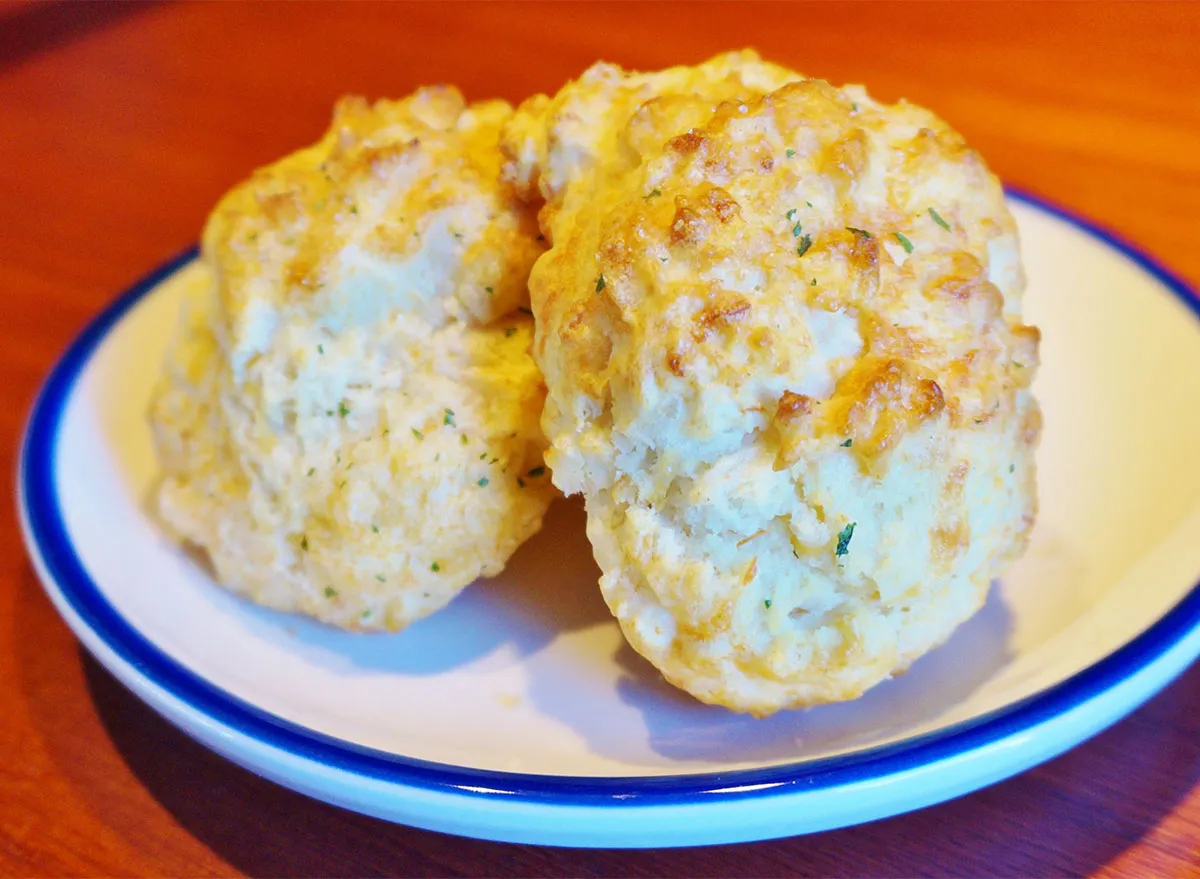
x=121 y=125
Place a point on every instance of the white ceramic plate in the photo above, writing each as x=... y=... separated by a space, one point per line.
x=519 y=714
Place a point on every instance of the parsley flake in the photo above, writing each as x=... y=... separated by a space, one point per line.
x=464 y=439
x=937 y=218
x=375 y=528
x=330 y=592
x=1018 y=365
x=843 y=544
x=489 y=290
x=482 y=483
x=379 y=577
x=312 y=470
x=601 y=283
x=790 y=153
x=1012 y=467
x=805 y=244
x=796 y=231
x=766 y=602
x=652 y=193
x=848 y=443
x=304 y=542
x=863 y=232
x=809 y=203
x=790 y=214
x=449 y=418
x=904 y=242
x=814 y=283
x=418 y=434
x=320 y=349
x=343 y=410
x=435 y=567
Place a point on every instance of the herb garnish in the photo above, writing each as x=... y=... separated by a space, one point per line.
x=482 y=483
x=435 y=567
x=843 y=544
x=904 y=242
x=330 y=592
x=937 y=218
x=805 y=244
x=343 y=410
x=449 y=418
x=601 y=283
x=863 y=232
x=848 y=443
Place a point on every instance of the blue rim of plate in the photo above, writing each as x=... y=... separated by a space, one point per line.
x=48 y=533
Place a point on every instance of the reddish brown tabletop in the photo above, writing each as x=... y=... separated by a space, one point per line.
x=121 y=125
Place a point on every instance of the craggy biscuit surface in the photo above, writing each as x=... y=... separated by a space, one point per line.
x=780 y=325
x=350 y=416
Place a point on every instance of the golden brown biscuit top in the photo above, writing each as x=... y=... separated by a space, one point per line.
x=398 y=206
x=803 y=259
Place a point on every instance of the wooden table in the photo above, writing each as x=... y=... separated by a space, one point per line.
x=121 y=125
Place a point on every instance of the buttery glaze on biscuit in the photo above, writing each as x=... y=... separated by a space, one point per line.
x=780 y=324
x=350 y=417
